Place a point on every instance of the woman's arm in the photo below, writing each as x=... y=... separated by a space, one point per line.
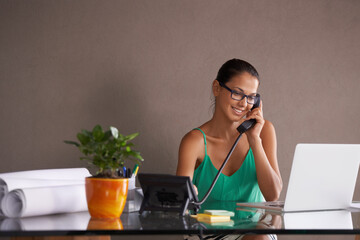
x=262 y=140
x=267 y=169
x=191 y=147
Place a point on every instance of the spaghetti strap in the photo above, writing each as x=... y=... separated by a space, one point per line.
x=204 y=138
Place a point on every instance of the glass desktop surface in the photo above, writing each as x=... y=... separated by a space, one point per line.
x=246 y=220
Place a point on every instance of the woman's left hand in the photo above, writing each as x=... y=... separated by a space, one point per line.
x=257 y=114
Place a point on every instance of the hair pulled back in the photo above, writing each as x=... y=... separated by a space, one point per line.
x=235 y=67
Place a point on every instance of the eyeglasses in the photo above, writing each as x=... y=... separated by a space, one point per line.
x=238 y=96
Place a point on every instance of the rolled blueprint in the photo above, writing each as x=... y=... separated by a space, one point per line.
x=44 y=200
x=41 y=178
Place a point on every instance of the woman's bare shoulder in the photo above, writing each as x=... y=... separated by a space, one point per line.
x=268 y=128
x=191 y=150
x=268 y=134
x=193 y=137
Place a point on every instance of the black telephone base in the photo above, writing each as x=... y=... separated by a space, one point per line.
x=167 y=193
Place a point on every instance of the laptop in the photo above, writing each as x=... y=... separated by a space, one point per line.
x=322 y=177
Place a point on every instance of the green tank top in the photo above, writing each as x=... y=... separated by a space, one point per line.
x=242 y=186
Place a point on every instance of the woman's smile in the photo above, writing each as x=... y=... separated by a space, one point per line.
x=238 y=111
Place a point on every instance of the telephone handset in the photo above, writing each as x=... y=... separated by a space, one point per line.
x=249 y=123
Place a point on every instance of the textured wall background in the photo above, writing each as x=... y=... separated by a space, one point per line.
x=147 y=66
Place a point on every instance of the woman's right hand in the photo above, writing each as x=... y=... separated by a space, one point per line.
x=195 y=188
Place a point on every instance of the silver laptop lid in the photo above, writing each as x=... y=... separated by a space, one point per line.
x=323 y=176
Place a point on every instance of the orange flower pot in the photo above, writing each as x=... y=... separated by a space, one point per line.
x=106 y=197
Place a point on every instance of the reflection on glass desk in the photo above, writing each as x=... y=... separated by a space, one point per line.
x=246 y=220
x=318 y=220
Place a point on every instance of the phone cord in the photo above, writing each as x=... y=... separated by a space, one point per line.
x=220 y=170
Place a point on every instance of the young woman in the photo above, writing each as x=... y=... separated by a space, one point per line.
x=252 y=173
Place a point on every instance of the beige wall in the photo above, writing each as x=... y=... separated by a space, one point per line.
x=147 y=66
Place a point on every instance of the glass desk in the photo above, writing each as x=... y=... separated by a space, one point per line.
x=248 y=220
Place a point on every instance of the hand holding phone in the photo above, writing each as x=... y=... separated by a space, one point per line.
x=246 y=125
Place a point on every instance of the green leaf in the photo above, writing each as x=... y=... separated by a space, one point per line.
x=114 y=132
x=107 y=135
x=128 y=149
x=86 y=133
x=136 y=155
x=130 y=145
x=82 y=138
x=131 y=136
x=98 y=133
x=72 y=143
x=121 y=137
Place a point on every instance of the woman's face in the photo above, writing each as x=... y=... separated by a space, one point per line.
x=233 y=109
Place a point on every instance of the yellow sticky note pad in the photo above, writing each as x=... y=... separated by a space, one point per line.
x=220 y=213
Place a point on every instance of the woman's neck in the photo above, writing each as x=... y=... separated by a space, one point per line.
x=221 y=127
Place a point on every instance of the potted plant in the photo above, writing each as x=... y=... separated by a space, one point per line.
x=106 y=191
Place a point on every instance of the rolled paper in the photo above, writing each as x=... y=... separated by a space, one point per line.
x=44 y=200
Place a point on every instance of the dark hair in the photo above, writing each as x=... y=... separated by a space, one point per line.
x=234 y=67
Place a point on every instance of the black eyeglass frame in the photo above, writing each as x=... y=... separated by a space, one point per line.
x=257 y=96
